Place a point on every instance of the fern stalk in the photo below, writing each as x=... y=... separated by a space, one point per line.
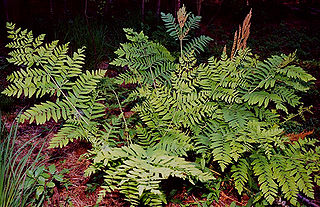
x=123 y=117
x=66 y=97
x=181 y=48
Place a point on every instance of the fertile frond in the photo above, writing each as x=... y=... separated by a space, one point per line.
x=241 y=36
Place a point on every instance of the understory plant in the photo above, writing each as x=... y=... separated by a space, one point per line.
x=47 y=70
x=15 y=162
x=44 y=179
x=223 y=115
x=228 y=110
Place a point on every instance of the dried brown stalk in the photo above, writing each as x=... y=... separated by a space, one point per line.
x=241 y=36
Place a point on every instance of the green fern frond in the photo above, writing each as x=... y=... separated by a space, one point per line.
x=49 y=70
x=263 y=169
x=217 y=144
x=22 y=38
x=197 y=44
x=174 y=142
x=148 y=62
x=240 y=174
x=72 y=130
x=43 y=112
x=139 y=172
x=75 y=63
x=171 y=25
x=30 y=82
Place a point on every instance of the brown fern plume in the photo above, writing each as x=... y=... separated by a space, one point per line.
x=182 y=16
x=241 y=36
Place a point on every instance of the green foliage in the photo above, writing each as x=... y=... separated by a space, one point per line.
x=47 y=69
x=15 y=162
x=137 y=172
x=148 y=62
x=227 y=111
x=44 y=179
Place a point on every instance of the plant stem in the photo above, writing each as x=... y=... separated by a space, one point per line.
x=258 y=85
x=153 y=78
x=124 y=118
x=181 y=47
x=59 y=88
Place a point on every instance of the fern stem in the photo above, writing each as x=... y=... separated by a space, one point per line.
x=59 y=88
x=123 y=117
x=181 y=48
x=258 y=85
x=215 y=172
x=153 y=78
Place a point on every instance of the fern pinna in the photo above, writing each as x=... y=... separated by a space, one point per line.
x=227 y=111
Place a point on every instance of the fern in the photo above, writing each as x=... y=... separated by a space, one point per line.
x=263 y=169
x=148 y=62
x=240 y=173
x=197 y=44
x=47 y=69
x=226 y=112
x=180 y=31
x=229 y=109
x=171 y=25
x=137 y=172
